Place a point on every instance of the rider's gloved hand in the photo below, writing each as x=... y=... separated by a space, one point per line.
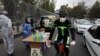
x=73 y=43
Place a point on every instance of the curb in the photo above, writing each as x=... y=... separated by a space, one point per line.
x=15 y=36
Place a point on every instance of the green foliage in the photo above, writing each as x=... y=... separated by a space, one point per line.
x=52 y=6
x=95 y=10
x=10 y=7
x=78 y=11
x=48 y=5
x=30 y=2
x=45 y=5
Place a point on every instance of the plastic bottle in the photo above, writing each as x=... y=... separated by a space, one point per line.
x=33 y=37
x=37 y=37
x=41 y=36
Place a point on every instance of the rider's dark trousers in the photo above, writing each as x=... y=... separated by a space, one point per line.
x=64 y=38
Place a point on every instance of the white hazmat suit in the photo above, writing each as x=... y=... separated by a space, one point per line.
x=7 y=33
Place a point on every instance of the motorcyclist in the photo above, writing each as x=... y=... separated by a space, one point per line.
x=65 y=30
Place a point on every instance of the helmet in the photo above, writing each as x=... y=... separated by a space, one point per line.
x=62 y=13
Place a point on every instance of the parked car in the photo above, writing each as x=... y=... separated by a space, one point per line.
x=75 y=23
x=97 y=22
x=81 y=25
x=92 y=40
x=72 y=21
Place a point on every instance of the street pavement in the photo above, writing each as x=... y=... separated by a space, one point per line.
x=77 y=50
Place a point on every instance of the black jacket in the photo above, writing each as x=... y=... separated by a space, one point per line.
x=67 y=27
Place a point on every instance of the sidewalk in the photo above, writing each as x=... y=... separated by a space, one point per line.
x=14 y=31
x=16 y=34
x=21 y=51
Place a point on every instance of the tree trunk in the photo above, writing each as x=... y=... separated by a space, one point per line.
x=9 y=6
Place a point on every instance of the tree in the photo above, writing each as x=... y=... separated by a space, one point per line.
x=95 y=10
x=68 y=10
x=64 y=9
x=52 y=6
x=48 y=5
x=10 y=7
x=30 y=2
x=78 y=11
x=45 y=5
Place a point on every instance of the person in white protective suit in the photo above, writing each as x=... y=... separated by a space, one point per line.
x=7 y=32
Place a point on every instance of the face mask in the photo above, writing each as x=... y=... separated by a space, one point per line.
x=29 y=20
x=62 y=19
x=46 y=22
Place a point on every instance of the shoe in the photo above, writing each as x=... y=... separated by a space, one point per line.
x=10 y=55
x=27 y=47
x=57 y=54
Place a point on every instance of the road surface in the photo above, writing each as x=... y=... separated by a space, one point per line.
x=77 y=50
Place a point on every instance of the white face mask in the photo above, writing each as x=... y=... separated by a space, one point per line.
x=28 y=19
x=46 y=22
x=62 y=19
